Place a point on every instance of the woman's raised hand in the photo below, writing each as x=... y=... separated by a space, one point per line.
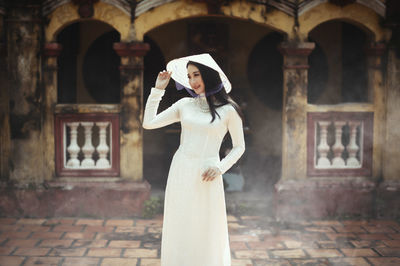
x=163 y=79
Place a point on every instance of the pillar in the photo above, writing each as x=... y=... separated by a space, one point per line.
x=4 y=106
x=24 y=37
x=294 y=113
x=50 y=51
x=131 y=131
x=377 y=96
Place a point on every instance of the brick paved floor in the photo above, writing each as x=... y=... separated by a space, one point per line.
x=254 y=241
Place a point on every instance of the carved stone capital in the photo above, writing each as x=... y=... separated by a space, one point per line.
x=134 y=49
x=296 y=48
x=375 y=49
x=52 y=49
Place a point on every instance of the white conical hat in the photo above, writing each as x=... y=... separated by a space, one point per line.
x=179 y=71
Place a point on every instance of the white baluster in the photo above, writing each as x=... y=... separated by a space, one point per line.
x=102 y=149
x=88 y=148
x=353 y=148
x=73 y=148
x=323 y=147
x=338 y=147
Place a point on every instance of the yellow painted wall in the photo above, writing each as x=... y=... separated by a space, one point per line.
x=68 y=13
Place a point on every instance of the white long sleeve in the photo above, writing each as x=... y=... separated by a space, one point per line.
x=151 y=119
x=235 y=128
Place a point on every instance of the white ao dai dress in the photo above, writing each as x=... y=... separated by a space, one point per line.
x=195 y=229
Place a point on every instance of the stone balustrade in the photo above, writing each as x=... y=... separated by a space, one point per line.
x=87 y=144
x=339 y=143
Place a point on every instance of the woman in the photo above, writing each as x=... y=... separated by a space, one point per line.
x=195 y=231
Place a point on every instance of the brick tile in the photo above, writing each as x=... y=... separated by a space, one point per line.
x=342 y=236
x=392 y=243
x=289 y=253
x=27 y=243
x=248 y=217
x=46 y=235
x=379 y=229
x=251 y=254
x=92 y=222
x=80 y=243
x=291 y=244
x=119 y=223
x=14 y=234
x=8 y=220
x=130 y=229
x=60 y=221
x=56 y=243
x=67 y=228
x=32 y=251
x=323 y=253
x=373 y=236
x=349 y=261
x=34 y=228
x=359 y=252
x=11 y=260
x=67 y=252
x=77 y=235
x=265 y=245
x=9 y=227
x=140 y=253
x=308 y=262
x=149 y=223
x=384 y=222
x=241 y=263
x=81 y=261
x=104 y=252
x=235 y=227
x=388 y=261
x=327 y=223
x=395 y=236
x=124 y=244
x=311 y=236
x=335 y=244
x=278 y=238
x=31 y=221
x=48 y=261
x=6 y=250
x=119 y=262
x=271 y=262
x=349 y=229
x=99 y=228
x=243 y=238
x=320 y=229
x=367 y=243
x=389 y=252
x=150 y=262
x=231 y=218
x=237 y=245
x=355 y=223
x=154 y=230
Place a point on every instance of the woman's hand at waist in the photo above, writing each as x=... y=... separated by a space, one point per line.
x=210 y=173
x=163 y=79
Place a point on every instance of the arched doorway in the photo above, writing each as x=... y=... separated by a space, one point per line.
x=88 y=65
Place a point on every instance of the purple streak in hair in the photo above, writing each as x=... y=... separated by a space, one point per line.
x=193 y=94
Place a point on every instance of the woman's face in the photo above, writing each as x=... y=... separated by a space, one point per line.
x=195 y=79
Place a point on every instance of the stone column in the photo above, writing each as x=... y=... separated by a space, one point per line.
x=24 y=37
x=377 y=96
x=4 y=106
x=50 y=51
x=294 y=114
x=131 y=131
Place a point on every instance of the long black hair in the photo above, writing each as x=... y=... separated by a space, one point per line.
x=212 y=81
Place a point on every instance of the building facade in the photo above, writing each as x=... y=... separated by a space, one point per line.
x=317 y=80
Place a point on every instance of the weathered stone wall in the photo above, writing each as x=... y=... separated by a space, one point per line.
x=392 y=151
x=24 y=39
